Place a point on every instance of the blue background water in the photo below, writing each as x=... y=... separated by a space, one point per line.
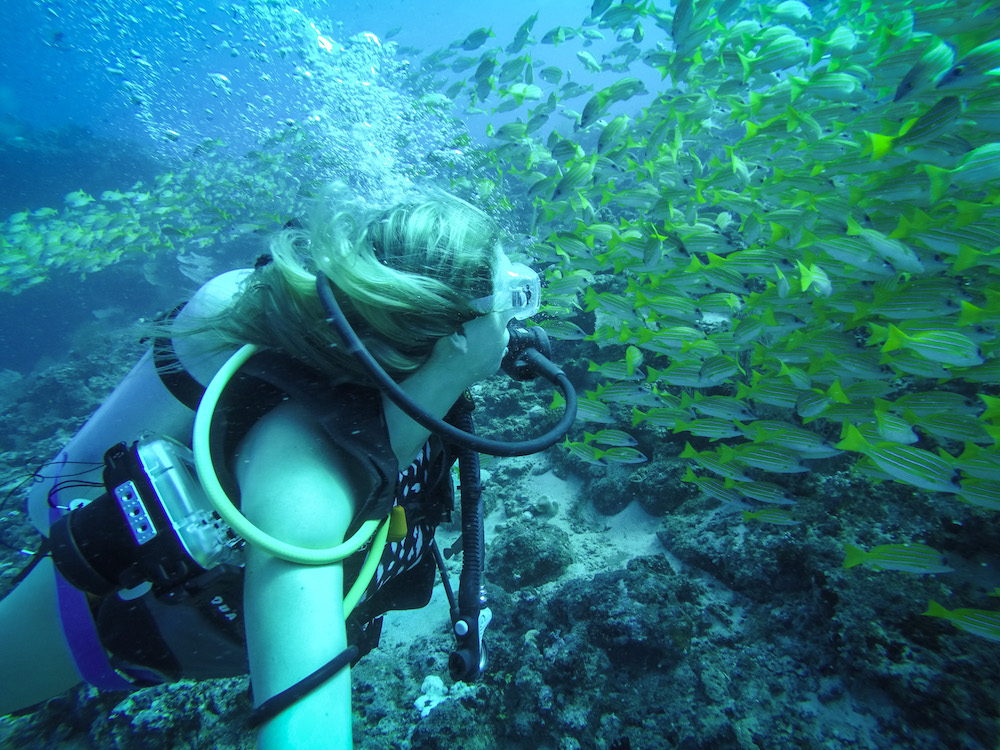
x=55 y=59
x=91 y=132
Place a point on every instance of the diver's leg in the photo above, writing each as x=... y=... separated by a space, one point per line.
x=35 y=661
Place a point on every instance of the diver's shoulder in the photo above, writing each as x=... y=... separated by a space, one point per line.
x=291 y=436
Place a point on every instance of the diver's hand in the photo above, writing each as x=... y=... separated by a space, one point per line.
x=473 y=352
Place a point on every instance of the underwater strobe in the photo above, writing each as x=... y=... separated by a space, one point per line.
x=153 y=524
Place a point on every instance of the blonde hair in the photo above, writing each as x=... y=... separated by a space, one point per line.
x=403 y=277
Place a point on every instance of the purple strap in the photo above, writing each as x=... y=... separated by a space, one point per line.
x=78 y=624
x=81 y=635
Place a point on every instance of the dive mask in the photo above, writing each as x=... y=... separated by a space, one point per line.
x=518 y=292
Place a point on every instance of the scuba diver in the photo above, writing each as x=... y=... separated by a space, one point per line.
x=266 y=482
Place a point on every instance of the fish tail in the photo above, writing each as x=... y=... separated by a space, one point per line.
x=854 y=556
x=837 y=393
x=936 y=610
x=747 y=64
x=940 y=181
x=968 y=257
x=878 y=334
x=689 y=452
x=895 y=339
x=798 y=86
x=971 y=315
x=852 y=440
x=879 y=145
x=818 y=51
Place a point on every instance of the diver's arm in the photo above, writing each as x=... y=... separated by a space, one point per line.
x=458 y=361
x=296 y=486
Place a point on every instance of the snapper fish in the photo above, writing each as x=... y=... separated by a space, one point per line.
x=712 y=486
x=763 y=491
x=979 y=463
x=948 y=347
x=981 y=492
x=713 y=462
x=908 y=558
x=78 y=199
x=904 y=463
x=615 y=438
x=723 y=407
x=804 y=442
x=982 y=622
x=980 y=66
x=776 y=516
x=521 y=35
x=928 y=126
x=976 y=169
x=666 y=417
x=937 y=60
x=476 y=39
x=712 y=428
x=588 y=409
x=615 y=454
x=762 y=456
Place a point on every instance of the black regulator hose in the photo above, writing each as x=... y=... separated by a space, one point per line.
x=523 y=360
x=468 y=661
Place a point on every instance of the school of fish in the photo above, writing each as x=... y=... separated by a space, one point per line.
x=789 y=249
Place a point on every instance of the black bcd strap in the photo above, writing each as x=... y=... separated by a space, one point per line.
x=291 y=695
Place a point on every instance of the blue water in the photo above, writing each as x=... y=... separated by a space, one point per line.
x=106 y=130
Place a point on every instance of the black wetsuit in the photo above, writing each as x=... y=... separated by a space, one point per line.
x=198 y=633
